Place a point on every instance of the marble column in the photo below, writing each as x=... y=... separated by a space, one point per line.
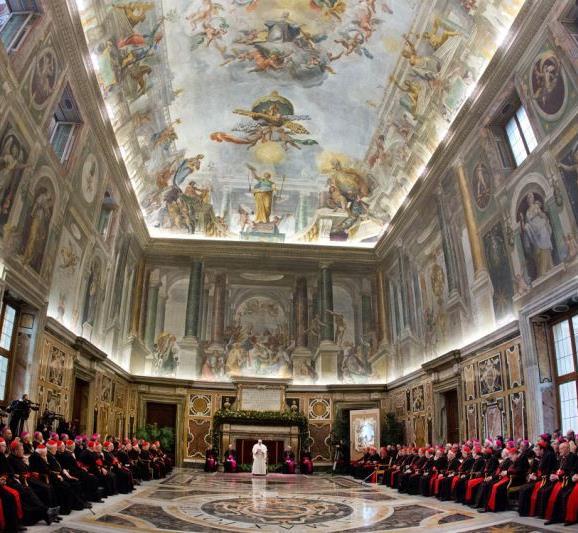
x=328 y=351
x=162 y=310
x=137 y=295
x=383 y=329
x=151 y=314
x=470 y=219
x=482 y=289
x=301 y=355
x=325 y=294
x=301 y=315
x=366 y=315
x=447 y=244
x=193 y=313
x=455 y=305
x=189 y=344
x=403 y=287
x=143 y=303
x=218 y=326
x=136 y=350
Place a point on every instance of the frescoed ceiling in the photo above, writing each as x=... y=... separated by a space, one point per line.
x=284 y=120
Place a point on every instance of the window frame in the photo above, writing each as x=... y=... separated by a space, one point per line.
x=509 y=109
x=69 y=142
x=9 y=354
x=570 y=376
x=24 y=29
x=514 y=117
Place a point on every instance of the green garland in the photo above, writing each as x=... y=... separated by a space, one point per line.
x=265 y=418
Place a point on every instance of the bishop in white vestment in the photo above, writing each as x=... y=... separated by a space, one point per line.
x=259 y=459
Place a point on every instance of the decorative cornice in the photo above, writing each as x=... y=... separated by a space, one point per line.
x=446 y=359
x=86 y=348
x=241 y=255
x=59 y=331
x=503 y=334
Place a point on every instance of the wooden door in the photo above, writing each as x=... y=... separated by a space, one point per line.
x=452 y=416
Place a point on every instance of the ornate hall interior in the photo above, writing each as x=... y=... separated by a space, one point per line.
x=284 y=265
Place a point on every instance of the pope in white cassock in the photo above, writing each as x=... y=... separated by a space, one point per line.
x=259 y=459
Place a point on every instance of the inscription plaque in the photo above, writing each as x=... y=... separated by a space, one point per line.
x=261 y=399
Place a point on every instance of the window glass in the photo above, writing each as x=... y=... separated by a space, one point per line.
x=516 y=141
x=3 y=376
x=12 y=29
x=60 y=138
x=4 y=13
x=568 y=405
x=563 y=348
x=7 y=328
x=526 y=127
x=520 y=135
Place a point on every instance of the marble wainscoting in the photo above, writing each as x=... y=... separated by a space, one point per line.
x=195 y=501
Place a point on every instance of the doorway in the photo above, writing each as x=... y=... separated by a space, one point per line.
x=79 y=423
x=452 y=415
x=161 y=414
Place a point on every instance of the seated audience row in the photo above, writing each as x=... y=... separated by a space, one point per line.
x=539 y=481
x=43 y=479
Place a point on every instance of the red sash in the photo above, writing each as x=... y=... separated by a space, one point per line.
x=572 y=506
x=17 y=502
x=472 y=483
x=492 y=500
x=437 y=484
x=455 y=481
x=433 y=483
x=233 y=463
x=552 y=500
x=534 y=497
x=290 y=466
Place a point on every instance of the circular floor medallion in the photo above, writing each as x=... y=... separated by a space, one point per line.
x=272 y=511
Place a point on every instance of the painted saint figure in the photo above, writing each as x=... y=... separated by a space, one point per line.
x=537 y=235
x=36 y=229
x=263 y=194
x=259 y=459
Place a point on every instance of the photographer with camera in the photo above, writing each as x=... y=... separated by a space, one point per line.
x=20 y=412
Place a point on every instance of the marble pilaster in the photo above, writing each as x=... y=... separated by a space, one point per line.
x=328 y=351
x=189 y=345
x=482 y=290
x=151 y=312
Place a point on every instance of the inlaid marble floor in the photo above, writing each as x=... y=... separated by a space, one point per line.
x=189 y=500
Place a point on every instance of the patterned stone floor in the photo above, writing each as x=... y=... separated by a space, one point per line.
x=189 y=500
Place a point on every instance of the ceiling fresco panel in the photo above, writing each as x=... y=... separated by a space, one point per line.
x=286 y=121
